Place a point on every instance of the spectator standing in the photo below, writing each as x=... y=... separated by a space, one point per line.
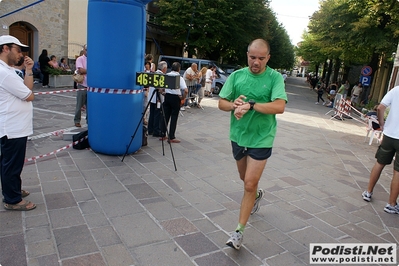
x=191 y=77
x=208 y=81
x=154 y=126
x=202 y=90
x=253 y=95
x=387 y=150
x=171 y=105
x=16 y=113
x=44 y=63
x=81 y=95
x=356 y=91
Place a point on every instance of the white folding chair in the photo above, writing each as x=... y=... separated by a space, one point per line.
x=374 y=132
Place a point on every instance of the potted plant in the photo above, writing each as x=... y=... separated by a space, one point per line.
x=60 y=78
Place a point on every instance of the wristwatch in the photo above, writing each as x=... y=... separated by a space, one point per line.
x=251 y=103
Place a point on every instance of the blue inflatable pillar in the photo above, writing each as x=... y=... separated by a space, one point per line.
x=115 y=52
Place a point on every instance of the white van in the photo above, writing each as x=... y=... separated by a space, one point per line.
x=186 y=63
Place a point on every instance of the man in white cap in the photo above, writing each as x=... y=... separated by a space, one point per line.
x=16 y=112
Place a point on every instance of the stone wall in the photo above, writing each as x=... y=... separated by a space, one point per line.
x=48 y=20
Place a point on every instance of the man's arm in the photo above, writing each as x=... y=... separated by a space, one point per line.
x=380 y=115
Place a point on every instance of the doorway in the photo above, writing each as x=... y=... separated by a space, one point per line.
x=24 y=33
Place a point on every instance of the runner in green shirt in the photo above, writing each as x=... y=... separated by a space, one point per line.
x=253 y=95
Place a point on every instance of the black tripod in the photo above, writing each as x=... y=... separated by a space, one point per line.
x=158 y=96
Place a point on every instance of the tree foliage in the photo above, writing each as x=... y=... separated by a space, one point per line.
x=354 y=31
x=222 y=29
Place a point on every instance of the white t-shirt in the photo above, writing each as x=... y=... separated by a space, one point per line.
x=15 y=112
x=208 y=76
x=391 y=126
x=182 y=84
x=189 y=71
x=151 y=91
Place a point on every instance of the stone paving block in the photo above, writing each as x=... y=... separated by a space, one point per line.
x=92 y=164
x=42 y=248
x=326 y=228
x=94 y=220
x=218 y=258
x=302 y=214
x=172 y=197
x=91 y=206
x=224 y=219
x=104 y=187
x=190 y=213
x=307 y=206
x=309 y=235
x=60 y=200
x=14 y=254
x=74 y=241
x=294 y=247
x=83 y=195
x=47 y=166
x=142 y=191
x=201 y=201
x=179 y=226
x=60 y=186
x=276 y=236
x=77 y=183
x=359 y=233
x=66 y=217
x=331 y=218
x=73 y=173
x=282 y=220
x=11 y=222
x=85 y=260
x=133 y=178
x=167 y=253
x=97 y=174
x=160 y=209
x=205 y=226
x=105 y=236
x=285 y=259
x=47 y=260
x=195 y=244
x=119 y=204
x=38 y=234
x=36 y=221
x=133 y=234
x=52 y=176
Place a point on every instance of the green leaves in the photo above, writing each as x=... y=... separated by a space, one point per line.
x=222 y=29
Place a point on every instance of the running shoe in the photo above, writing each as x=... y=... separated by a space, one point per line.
x=235 y=240
x=257 y=201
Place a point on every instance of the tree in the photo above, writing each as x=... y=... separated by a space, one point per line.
x=221 y=29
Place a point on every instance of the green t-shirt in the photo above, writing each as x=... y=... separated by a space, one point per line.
x=254 y=129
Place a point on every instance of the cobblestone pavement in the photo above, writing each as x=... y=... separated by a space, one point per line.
x=94 y=209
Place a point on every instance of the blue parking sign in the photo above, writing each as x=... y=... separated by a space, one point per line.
x=365 y=80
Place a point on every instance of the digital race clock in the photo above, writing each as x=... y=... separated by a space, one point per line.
x=157 y=80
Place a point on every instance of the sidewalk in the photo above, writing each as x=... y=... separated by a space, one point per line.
x=94 y=209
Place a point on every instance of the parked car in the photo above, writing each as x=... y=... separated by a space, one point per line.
x=230 y=68
x=186 y=62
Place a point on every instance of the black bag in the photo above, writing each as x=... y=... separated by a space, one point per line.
x=145 y=135
x=81 y=144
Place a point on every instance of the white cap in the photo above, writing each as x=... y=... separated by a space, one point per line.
x=8 y=39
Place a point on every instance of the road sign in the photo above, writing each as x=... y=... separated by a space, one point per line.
x=365 y=80
x=366 y=71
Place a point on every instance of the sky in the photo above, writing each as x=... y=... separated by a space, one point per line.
x=294 y=15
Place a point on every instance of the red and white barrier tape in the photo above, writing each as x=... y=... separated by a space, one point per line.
x=54 y=92
x=54 y=152
x=114 y=91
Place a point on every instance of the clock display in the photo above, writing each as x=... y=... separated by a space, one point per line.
x=157 y=80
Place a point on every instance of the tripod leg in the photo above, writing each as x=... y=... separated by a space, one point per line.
x=138 y=126
x=167 y=132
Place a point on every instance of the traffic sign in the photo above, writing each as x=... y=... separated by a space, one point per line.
x=365 y=80
x=366 y=71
